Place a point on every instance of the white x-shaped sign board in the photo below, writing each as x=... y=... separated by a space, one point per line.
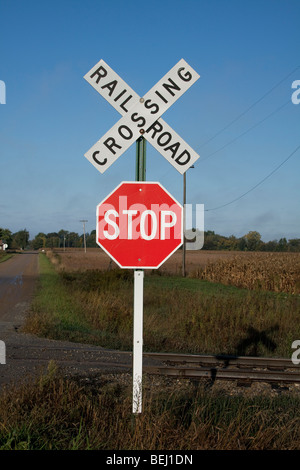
x=141 y=116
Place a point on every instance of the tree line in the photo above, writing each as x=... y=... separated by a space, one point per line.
x=21 y=239
x=250 y=242
x=212 y=241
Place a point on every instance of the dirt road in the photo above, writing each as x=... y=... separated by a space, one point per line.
x=27 y=355
x=18 y=277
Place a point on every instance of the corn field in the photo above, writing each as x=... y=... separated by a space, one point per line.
x=277 y=272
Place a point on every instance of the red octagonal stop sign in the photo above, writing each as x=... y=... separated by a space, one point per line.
x=139 y=225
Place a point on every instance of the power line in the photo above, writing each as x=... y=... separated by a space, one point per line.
x=245 y=132
x=250 y=107
x=259 y=183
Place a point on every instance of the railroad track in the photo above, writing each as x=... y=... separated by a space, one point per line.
x=191 y=366
x=240 y=368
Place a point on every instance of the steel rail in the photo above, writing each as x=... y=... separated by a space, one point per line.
x=226 y=367
x=190 y=366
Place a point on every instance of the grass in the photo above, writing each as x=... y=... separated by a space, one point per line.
x=204 y=317
x=180 y=314
x=54 y=313
x=5 y=256
x=52 y=413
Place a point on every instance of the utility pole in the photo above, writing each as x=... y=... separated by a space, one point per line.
x=184 y=203
x=84 y=221
x=184 y=223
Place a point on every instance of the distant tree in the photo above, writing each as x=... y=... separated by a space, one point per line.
x=242 y=244
x=253 y=241
x=294 y=244
x=221 y=242
x=210 y=240
x=20 y=239
x=52 y=240
x=233 y=243
x=73 y=240
x=6 y=236
x=271 y=245
x=62 y=234
x=91 y=239
x=282 y=245
x=213 y=241
x=39 y=241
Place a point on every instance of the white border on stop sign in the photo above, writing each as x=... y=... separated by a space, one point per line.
x=181 y=223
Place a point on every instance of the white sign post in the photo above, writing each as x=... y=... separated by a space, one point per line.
x=138 y=341
x=141 y=116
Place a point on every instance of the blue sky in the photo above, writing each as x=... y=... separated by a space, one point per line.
x=247 y=54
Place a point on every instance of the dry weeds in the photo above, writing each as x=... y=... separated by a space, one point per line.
x=277 y=272
x=73 y=259
x=53 y=413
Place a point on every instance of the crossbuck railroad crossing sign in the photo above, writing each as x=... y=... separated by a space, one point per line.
x=141 y=116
